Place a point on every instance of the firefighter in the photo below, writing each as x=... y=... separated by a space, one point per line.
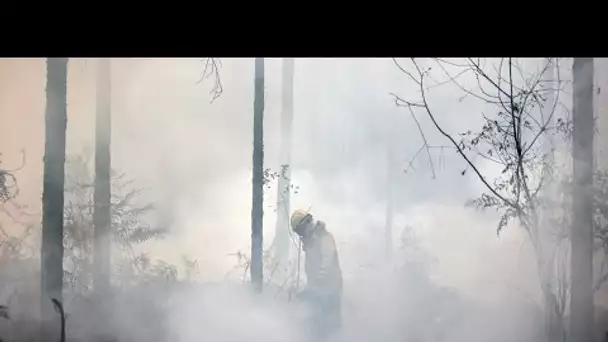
x=323 y=290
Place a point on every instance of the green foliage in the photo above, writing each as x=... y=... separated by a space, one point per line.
x=273 y=176
x=517 y=124
x=510 y=139
x=129 y=220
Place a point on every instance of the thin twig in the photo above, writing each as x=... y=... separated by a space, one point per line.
x=449 y=137
x=59 y=308
x=426 y=144
x=406 y=72
x=212 y=66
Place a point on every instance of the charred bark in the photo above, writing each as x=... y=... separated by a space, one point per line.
x=581 y=300
x=52 y=194
x=102 y=216
x=257 y=211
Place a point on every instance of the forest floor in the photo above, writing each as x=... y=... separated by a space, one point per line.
x=231 y=312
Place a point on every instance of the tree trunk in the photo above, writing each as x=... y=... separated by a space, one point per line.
x=257 y=212
x=53 y=195
x=390 y=180
x=546 y=256
x=281 y=238
x=102 y=208
x=581 y=300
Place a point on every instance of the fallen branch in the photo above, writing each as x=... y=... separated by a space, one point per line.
x=59 y=309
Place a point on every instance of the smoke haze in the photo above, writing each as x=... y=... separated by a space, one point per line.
x=193 y=157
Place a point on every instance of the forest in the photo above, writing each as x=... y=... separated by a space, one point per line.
x=466 y=199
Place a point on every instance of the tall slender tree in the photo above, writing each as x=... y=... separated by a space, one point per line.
x=581 y=299
x=392 y=77
x=281 y=237
x=511 y=136
x=257 y=211
x=52 y=195
x=390 y=182
x=102 y=217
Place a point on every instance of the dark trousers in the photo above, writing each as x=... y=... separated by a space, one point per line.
x=326 y=315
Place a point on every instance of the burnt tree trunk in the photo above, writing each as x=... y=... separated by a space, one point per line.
x=581 y=299
x=53 y=194
x=281 y=237
x=390 y=183
x=257 y=211
x=102 y=216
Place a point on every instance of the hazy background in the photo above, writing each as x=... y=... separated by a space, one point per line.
x=195 y=159
x=195 y=156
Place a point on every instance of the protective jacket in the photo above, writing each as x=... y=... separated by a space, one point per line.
x=323 y=289
x=323 y=273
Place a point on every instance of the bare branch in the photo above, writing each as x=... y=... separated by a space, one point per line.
x=9 y=188
x=449 y=137
x=18 y=168
x=399 y=102
x=406 y=72
x=452 y=63
x=410 y=163
x=212 y=68
x=545 y=126
x=426 y=144
x=482 y=73
x=466 y=91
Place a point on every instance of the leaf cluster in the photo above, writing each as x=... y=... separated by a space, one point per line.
x=129 y=220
